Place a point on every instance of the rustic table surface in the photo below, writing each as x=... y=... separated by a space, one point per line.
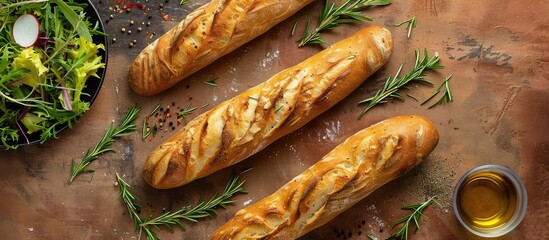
x=497 y=52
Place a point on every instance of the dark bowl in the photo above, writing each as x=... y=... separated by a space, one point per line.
x=93 y=84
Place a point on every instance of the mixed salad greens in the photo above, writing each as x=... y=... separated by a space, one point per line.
x=41 y=86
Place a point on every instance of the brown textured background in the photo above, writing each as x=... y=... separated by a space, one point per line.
x=497 y=52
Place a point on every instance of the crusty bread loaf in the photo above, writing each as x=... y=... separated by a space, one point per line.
x=245 y=124
x=350 y=172
x=205 y=35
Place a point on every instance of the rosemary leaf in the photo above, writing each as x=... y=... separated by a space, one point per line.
x=412 y=97
x=411 y=24
x=293 y=28
x=279 y=108
x=417 y=212
x=154 y=110
x=183 y=2
x=332 y=17
x=395 y=83
x=211 y=82
x=371 y=237
x=104 y=145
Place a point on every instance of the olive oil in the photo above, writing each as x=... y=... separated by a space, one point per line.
x=486 y=200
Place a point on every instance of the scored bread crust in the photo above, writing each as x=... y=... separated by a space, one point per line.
x=245 y=124
x=206 y=34
x=347 y=174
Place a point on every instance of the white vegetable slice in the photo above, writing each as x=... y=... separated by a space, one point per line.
x=26 y=30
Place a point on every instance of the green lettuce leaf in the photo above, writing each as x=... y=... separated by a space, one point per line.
x=30 y=60
x=33 y=123
x=86 y=55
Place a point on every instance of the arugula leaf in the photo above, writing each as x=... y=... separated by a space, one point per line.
x=74 y=19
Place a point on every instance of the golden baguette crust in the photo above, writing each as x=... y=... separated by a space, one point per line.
x=245 y=124
x=350 y=172
x=205 y=35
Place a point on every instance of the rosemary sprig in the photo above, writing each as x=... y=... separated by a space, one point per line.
x=212 y=82
x=446 y=96
x=395 y=83
x=183 y=2
x=154 y=109
x=201 y=210
x=417 y=210
x=188 y=110
x=104 y=145
x=411 y=24
x=188 y=213
x=129 y=199
x=332 y=17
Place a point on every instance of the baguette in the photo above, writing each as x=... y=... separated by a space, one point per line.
x=205 y=35
x=245 y=124
x=350 y=172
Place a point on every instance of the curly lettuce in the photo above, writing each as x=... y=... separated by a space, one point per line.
x=87 y=62
x=30 y=60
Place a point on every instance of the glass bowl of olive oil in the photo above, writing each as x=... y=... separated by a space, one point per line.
x=490 y=200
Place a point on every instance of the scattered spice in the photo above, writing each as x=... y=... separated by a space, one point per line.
x=123 y=30
x=139 y=29
x=131 y=44
x=113 y=39
x=127 y=6
x=111 y=16
x=132 y=22
x=129 y=32
x=162 y=118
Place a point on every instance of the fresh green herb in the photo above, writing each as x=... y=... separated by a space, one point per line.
x=145 y=131
x=332 y=17
x=293 y=28
x=41 y=86
x=74 y=19
x=245 y=170
x=279 y=108
x=411 y=24
x=417 y=212
x=129 y=199
x=186 y=111
x=412 y=97
x=188 y=213
x=104 y=145
x=154 y=110
x=446 y=96
x=183 y=2
x=212 y=82
x=395 y=83
x=10 y=5
x=205 y=105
